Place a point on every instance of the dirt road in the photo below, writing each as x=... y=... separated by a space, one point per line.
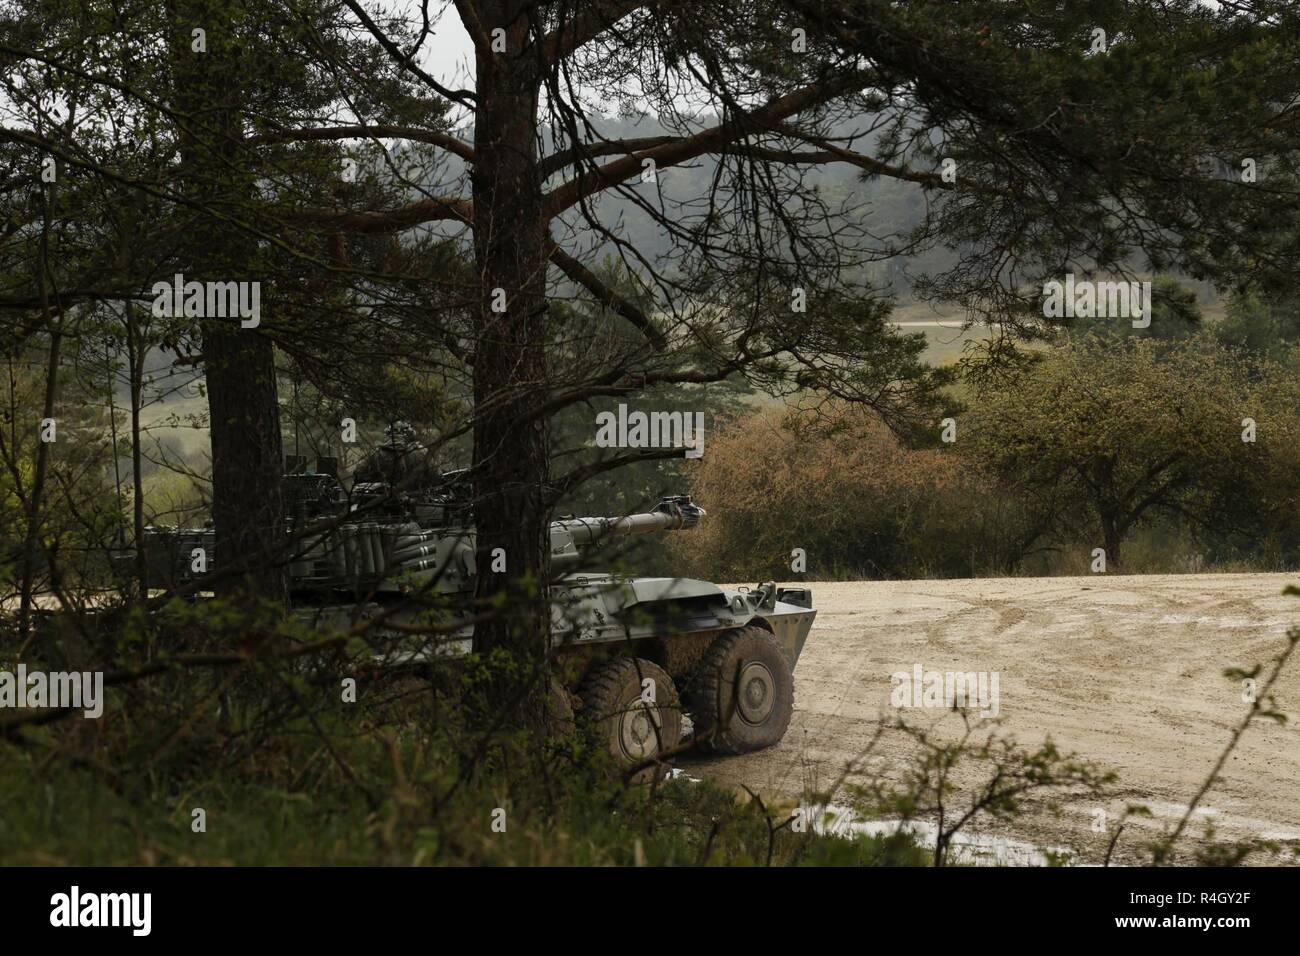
x=1126 y=671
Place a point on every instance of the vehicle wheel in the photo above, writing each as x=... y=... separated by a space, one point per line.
x=741 y=697
x=632 y=719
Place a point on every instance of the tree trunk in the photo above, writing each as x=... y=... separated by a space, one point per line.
x=35 y=516
x=1111 y=541
x=247 y=460
x=239 y=363
x=510 y=451
x=135 y=356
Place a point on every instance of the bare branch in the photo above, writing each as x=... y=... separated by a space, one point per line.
x=406 y=61
x=574 y=33
x=414 y=133
x=431 y=209
x=680 y=150
x=608 y=297
x=473 y=25
x=557 y=161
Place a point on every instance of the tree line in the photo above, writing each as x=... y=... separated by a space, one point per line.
x=306 y=147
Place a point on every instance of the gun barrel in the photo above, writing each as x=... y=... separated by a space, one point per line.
x=670 y=514
x=587 y=530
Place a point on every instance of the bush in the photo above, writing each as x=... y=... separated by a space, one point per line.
x=287 y=774
x=1131 y=445
x=841 y=486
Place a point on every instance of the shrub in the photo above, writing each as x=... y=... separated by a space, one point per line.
x=841 y=486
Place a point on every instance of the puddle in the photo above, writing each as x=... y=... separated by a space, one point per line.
x=966 y=849
x=1263 y=829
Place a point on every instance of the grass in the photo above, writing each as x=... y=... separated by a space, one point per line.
x=68 y=817
x=395 y=785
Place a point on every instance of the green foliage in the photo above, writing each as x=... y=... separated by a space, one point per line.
x=1175 y=316
x=1135 y=445
x=79 y=515
x=1102 y=436
x=1260 y=325
x=1012 y=776
x=289 y=773
x=70 y=817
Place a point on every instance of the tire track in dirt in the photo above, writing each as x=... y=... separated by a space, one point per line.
x=1126 y=671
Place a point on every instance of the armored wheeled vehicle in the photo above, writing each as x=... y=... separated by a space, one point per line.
x=636 y=656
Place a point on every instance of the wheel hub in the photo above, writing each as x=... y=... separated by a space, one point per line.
x=757 y=693
x=638 y=731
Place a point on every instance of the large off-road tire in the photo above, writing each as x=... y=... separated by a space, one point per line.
x=617 y=711
x=741 y=697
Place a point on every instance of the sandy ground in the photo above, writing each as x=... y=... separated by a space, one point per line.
x=1125 y=670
